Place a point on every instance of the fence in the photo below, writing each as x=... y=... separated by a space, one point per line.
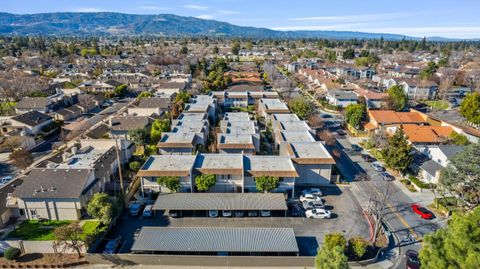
x=33 y=246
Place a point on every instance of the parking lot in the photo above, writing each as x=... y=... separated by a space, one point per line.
x=347 y=218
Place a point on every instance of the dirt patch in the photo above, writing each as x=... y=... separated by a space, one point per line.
x=37 y=260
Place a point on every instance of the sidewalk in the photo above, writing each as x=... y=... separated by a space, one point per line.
x=424 y=198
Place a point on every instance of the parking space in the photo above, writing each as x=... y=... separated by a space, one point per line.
x=347 y=218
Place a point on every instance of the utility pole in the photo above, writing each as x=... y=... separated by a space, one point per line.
x=122 y=190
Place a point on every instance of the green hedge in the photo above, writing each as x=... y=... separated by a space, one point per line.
x=12 y=253
x=419 y=183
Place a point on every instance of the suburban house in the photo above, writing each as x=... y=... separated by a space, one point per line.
x=99 y=86
x=385 y=118
x=417 y=89
x=121 y=125
x=373 y=99
x=311 y=160
x=40 y=104
x=271 y=166
x=426 y=134
x=56 y=194
x=341 y=98
x=150 y=106
x=268 y=107
x=32 y=123
x=180 y=166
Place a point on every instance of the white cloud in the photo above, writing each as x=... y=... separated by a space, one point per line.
x=355 y=18
x=228 y=12
x=443 y=31
x=89 y=9
x=318 y=27
x=204 y=16
x=196 y=7
x=154 y=8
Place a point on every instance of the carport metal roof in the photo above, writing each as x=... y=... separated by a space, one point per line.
x=209 y=239
x=221 y=201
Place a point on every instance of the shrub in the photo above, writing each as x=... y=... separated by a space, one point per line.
x=357 y=246
x=12 y=253
x=135 y=166
x=420 y=184
x=335 y=239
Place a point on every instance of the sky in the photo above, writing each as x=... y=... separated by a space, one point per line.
x=445 y=18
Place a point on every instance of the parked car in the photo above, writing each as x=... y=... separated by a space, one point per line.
x=295 y=210
x=318 y=214
x=413 y=261
x=309 y=197
x=5 y=179
x=112 y=245
x=227 y=213
x=368 y=158
x=386 y=176
x=356 y=147
x=148 y=211
x=213 y=213
x=314 y=191
x=422 y=211
x=341 y=132
x=307 y=205
x=135 y=209
x=265 y=213
x=252 y=213
x=378 y=167
x=239 y=214
x=174 y=213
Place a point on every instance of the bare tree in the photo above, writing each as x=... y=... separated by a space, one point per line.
x=378 y=205
x=69 y=237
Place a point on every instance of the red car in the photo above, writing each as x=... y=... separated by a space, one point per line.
x=422 y=212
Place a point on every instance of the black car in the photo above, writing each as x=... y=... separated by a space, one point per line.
x=413 y=262
x=356 y=147
x=341 y=132
x=252 y=213
x=368 y=158
x=295 y=210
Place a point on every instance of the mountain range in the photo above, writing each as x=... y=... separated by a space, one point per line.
x=118 y=24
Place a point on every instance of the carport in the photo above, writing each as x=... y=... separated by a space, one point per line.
x=274 y=202
x=238 y=241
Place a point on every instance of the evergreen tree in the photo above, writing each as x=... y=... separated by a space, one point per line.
x=397 y=152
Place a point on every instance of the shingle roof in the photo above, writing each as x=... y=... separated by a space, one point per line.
x=127 y=123
x=209 y=239
x=55 y=183
x=221 y=201
x=450 y=150
x=33 y=103
x=32 y=118
x=154 y=102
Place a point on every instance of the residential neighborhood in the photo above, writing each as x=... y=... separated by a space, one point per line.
x=285 y=151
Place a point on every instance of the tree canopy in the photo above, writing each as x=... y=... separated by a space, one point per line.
x=354 y=114
x=21 y=158
x=302 y=107
x=101 y=207
x=205 y=182
x=470 y=108
x=138 y=136
x=455 y=246
x=397 y=152
x=170 y=182
x=266 y=183
x=461 y=177
x=158 y=127
x=397 y=98
x=69 y=237
x=331 y=258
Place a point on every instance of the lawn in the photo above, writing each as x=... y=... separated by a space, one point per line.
x=438 y=104
x=37 y=231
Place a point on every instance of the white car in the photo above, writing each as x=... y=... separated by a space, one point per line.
x=213 y=213
x=309 y=197
x=307 y=205
x=318 y=214
x=378 y=167
x=265 y=213
x=315 y=191
x=148 y=211
x=5 y=179
x=227 y=213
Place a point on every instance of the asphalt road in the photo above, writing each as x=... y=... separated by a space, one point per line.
x=408 y=227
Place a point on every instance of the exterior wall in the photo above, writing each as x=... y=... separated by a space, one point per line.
x=149 y=184
x=235 y=151
x=286 y=185
x=228 y=183
x=235 y=102
x=428 y=178
x=146 y=112
x=53 y=209
x=313 y=174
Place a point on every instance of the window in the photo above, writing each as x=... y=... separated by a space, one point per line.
x=33 y=213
